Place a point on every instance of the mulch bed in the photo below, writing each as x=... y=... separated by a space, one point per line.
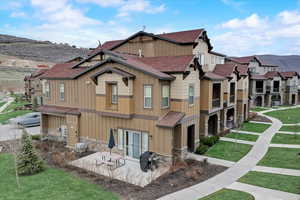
x=258 y=118
x=184 y=174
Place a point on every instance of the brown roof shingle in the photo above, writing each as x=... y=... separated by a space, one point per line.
x=170 y=120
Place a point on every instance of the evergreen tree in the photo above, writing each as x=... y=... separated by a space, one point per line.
x=28 y=161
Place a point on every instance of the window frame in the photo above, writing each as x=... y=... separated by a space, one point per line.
x=193 y=101
x=47 y=90
x=151 y=96
x=162 y=97
x=112 y=85
x=60 y=92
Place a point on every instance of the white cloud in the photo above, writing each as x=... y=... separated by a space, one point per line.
x=256 y=35
x=237 y=5
x=104 y=3
x=18 y=14
x=253 y=21
x=289 y=17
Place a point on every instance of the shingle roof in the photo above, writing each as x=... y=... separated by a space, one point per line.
x=272 y=74
x=243 y=60
x=62 y=71
x=258 y=77
x=170 y=120
x=168 y=63
x=59 y=110
x=289 y=74
x=213 y=76
x=225 y=70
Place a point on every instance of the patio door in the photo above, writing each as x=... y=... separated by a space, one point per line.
x=133 y=144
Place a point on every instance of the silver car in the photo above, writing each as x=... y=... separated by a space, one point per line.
x=27 y=120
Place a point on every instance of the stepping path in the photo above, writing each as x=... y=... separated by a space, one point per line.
x=228 y=178
x=261 y=193
x=237 y=141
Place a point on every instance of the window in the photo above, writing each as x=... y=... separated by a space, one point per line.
x=62 y=91
x=201 y=58
x=47 y=90
x=120 y=139
x=114 y=94
x=147 y=96
x=165 y=96
x=191 y=94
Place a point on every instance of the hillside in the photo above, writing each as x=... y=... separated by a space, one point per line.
x=45 y=51
x=286 y=63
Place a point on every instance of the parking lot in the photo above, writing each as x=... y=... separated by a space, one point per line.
x=11 y=132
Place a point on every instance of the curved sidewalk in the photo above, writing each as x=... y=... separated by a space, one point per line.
x=231 y=175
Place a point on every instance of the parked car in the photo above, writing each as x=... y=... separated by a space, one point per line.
x=27 y=120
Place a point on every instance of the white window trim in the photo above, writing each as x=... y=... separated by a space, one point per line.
x=191 y=86
x=62 y=91
x=151 y=94
x=162 y=97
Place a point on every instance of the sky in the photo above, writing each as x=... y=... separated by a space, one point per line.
x=235 y=27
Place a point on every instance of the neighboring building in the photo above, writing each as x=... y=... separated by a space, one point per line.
x=268 y=86
x=155 y=92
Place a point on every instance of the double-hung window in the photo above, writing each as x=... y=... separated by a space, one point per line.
x=165 y=96
x=62 y=91
x=147 y=96
x=47 y=90
x=114 y=94
x=191 y=94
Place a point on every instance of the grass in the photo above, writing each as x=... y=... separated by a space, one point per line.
x=228 y=151
x=5 y=117
x=48 y=185
x=280 y=138
x=254 y=127
x=290 y=116
x=258 y=109
x=227 y=194
x=290 y=128
x=15 y=105
x=242 y=136
x=280 y=182
x=2 y=103
x=281 y=158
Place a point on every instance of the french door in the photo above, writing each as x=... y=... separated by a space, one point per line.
x=135 y=143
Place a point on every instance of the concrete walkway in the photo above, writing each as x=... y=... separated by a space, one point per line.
x=261 y=193
x=231 y=175
x=245 y=132
x=257 y=122
x=290 y=172
x=237 y=141
x=292 y=146
x=211 y=160
x=10 y=100
x=290 y=133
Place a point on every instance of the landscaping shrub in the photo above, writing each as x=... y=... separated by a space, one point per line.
x=215 y=138
x=28 y=161
x=209 y=141
x=36 y=137
x=201 y=149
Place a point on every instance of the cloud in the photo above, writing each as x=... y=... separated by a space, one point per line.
x=256 y=35
x=237 y=5
x=126 y=7
x=18 y=14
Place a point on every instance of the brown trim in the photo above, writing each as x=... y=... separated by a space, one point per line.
x=119 y=96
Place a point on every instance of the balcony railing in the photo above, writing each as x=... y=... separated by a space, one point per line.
x=232 y=98
x=259 y=90
x=216 y=103
x=291 y=89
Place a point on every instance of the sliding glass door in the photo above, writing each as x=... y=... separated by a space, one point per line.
x=135 y=143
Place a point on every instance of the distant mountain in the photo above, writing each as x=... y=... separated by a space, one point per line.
x=286 y=63
x=45 y=51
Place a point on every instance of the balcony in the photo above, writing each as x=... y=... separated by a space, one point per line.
x=232 y=98
x=216 y=103
x=259 y=90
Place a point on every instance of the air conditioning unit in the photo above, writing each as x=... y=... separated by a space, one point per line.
x=81 y=147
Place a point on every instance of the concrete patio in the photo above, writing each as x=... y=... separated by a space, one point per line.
x=130 y=172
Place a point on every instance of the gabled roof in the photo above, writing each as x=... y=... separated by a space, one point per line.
x=243 y=70
x=225 y=70
x=108 y=69
x=289 y=74
x=243 y=60
x=62 y=71
x=170 y=120
x=272 y=74
x=181 y=38
x=213 y=76
x=258 y=77
x=217 y=54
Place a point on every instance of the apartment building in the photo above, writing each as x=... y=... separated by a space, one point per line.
x=268 y=86
x=156 y=93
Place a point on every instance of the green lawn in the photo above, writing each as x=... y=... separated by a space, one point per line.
x=291 y=128
x=228 y=151
x=2 y=103
x=242 y=136
x=281 y=158
x=290 y=116
x=48 y=185
x=227 y=194
x=258 y=109
x=14 y=105
x=5 y=117
x=280 y=138
x=280 y=182
x=254 y=127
